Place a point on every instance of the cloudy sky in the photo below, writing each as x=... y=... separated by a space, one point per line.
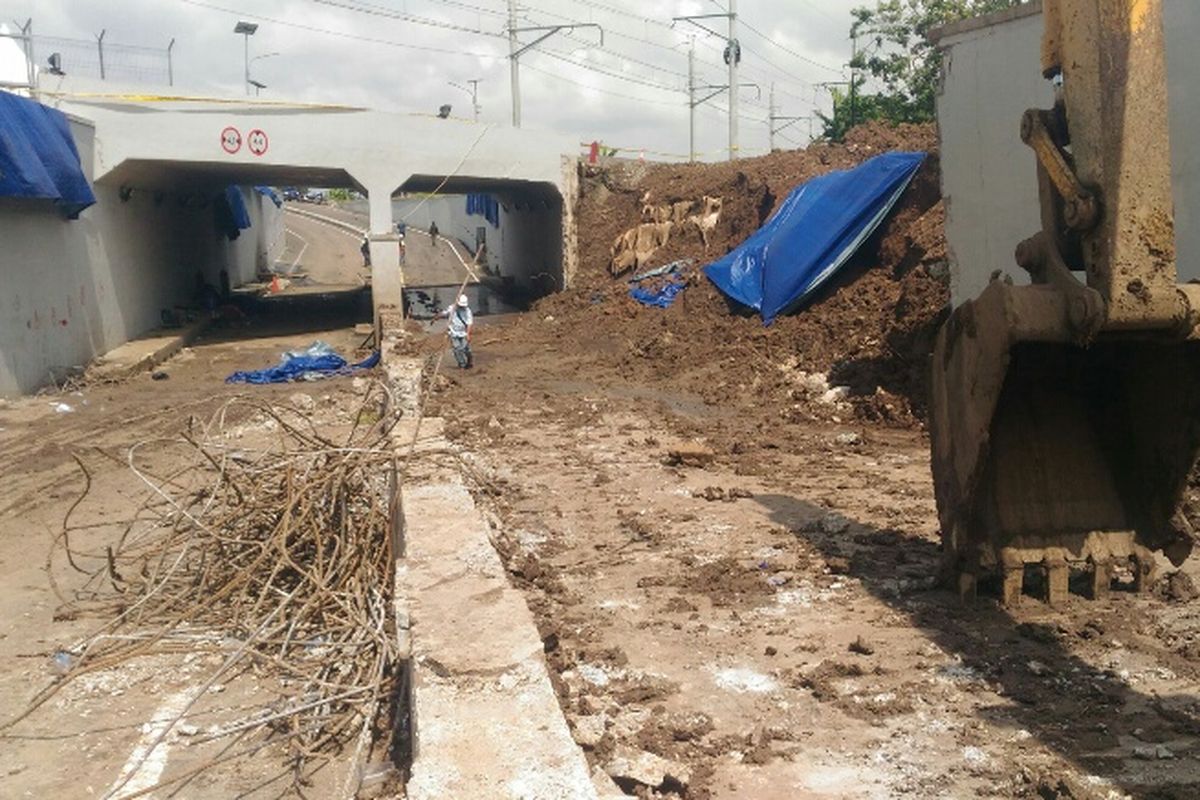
x=403 y=54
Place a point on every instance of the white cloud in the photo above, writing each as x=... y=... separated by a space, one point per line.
x=316 y=65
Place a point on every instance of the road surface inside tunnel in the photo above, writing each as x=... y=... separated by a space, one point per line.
x=76 y=458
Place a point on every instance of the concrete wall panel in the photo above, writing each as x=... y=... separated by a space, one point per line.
x=76 y=289
x=989 y=178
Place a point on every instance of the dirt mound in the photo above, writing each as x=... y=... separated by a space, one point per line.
x=870 y=331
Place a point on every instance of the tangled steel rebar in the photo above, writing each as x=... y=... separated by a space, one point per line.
x=277 y=557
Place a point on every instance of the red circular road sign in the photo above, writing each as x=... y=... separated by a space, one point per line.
x=231 y=140
x=257 y=142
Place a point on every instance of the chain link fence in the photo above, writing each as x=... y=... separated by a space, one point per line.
x=99 y=58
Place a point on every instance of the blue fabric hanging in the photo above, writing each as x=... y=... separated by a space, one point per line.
x=812 y=234
x=38 y=157
x=485 y=206
x=267 y=191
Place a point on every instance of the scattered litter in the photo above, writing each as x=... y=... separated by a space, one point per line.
x=159 y=375
x=63 y=662
x=61 y=408
x=317 y=361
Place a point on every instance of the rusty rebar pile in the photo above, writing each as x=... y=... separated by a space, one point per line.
x=279 y=559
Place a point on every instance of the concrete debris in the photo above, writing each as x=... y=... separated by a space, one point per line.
x=589 y=730
x=631 y=768
x=848 y=439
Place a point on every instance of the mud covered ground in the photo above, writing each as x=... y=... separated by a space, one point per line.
x=760 y=619
x=767 y=623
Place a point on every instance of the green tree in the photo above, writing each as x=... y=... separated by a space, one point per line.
x=893 y=52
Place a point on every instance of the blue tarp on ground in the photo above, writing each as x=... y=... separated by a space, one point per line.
x=38 y=158
x=812 y=234
x=317 y=361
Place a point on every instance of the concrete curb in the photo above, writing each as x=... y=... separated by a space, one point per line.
x=145 y=353
x=483 y=717
x=337 y=223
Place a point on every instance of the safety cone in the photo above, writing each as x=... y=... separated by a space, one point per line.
x=275 y=284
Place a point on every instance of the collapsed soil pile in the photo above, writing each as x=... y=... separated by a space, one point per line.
x=868 y=333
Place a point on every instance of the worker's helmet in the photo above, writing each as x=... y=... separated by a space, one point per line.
x=463 y=301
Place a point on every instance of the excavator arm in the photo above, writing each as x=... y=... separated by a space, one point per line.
x=1065 y=415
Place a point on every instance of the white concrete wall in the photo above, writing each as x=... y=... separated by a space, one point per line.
x=1181 y=19
x=531 y=244
x=74 y=290
x=991 y=76
x=450 y=213
x=989 y=177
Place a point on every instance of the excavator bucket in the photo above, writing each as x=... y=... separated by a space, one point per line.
x=1065 y=415
x=1055 y=458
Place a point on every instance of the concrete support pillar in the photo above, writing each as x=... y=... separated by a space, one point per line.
x=387 y=279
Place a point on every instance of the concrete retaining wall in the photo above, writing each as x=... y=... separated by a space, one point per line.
x=74 y=290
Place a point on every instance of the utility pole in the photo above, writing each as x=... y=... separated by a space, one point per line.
x=515 y=49
x=513 y=69
x=692 y=102
x=475 y=96
x=734 y=55
x=853 y=79
x=171 y=63
x=772 y=118
x=100 y=48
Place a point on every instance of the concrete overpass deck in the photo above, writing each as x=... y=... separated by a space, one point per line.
x=177 y=144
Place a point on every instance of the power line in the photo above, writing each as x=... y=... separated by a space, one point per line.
x=565 y=79
x=388 y=13
x=790 y=51
x=342 y=34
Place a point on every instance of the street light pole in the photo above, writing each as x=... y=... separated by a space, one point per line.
x=247 y=29
x=473 y=91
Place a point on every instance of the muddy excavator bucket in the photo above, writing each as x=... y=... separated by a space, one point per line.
x=1055 y=456
x=1065 y=415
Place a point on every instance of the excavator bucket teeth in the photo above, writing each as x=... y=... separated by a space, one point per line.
x=1055 y=455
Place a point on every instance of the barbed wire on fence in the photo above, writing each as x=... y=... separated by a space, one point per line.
x=99 y=58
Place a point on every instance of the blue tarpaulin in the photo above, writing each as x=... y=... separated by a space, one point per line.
x=38 y=158
x=662 y=296
x=267 y=191
x=812 y=234
x=485 y=206
x=230 y=214
x=317 y=361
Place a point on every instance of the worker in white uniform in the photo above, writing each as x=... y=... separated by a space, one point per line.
x=460 y=320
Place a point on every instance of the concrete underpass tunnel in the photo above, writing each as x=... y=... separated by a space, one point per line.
x=512 y=230
x=184 y=204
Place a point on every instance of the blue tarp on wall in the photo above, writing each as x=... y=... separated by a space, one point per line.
x=267 y=191
x=38 y=158
x=812 y=234
x=485 y=206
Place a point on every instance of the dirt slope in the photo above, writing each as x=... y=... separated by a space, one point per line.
x=871 y=330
